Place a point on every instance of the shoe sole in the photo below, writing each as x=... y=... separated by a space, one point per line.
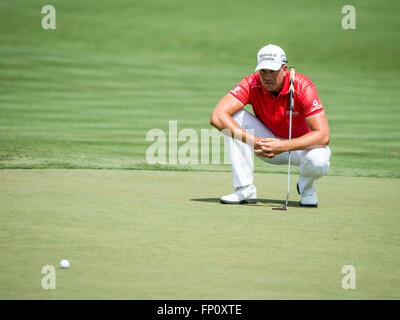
x=248 y=201
x=305 y=205
x=309 y=205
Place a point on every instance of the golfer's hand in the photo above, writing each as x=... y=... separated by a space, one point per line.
x=261 y=150
x=269 y=148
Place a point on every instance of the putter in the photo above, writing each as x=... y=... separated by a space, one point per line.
x=291 y=96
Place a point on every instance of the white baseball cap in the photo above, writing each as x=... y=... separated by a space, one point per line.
x=270 y=57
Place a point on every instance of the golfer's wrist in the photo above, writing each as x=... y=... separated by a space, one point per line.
x=288 y=145
x=248 y=138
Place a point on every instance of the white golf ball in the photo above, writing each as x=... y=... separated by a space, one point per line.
x=64 y=264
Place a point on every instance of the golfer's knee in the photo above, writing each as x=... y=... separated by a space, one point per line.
x=238 y=117
x=314 y=166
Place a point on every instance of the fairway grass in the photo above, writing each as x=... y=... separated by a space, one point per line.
x=163 y=235
x=85 y=95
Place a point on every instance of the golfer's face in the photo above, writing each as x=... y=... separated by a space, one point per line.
x=273 y=80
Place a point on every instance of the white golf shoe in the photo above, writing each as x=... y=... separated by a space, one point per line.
x=306 y=188
x=244 y=194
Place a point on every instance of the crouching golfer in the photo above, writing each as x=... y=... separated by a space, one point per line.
x=266 y=91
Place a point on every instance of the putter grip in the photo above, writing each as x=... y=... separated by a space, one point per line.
x=291 y=88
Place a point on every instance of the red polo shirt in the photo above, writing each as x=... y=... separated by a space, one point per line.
x=274 y=111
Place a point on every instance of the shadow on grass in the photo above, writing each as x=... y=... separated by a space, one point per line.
x=269 y=202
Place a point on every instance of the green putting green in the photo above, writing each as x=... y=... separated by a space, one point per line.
x=164 y=235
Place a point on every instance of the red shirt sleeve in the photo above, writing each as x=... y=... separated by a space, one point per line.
x=242 y=92
x=310 y=101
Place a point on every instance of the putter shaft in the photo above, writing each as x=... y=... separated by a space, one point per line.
x=291 y=98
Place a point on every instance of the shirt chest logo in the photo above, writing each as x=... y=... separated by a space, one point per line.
x=294 y=113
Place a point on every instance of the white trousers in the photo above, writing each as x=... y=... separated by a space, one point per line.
x=312 y=164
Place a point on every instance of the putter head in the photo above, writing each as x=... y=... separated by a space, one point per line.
x=284 y=207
